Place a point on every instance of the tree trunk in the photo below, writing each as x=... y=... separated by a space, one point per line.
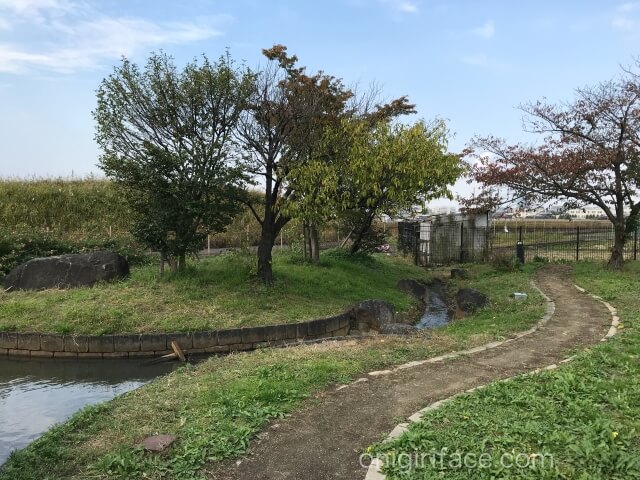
x=305 y=234
x=314 y=239
x=308 y=240
x=182 y=262
x=267 y=239
x=617 y=252
x=173 y=264
x=357 y=241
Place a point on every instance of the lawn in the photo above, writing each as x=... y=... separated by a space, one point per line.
x=214 y=293
x=217 y=407
x=580 y=421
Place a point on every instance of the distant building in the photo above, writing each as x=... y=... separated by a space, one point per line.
x=442 y=210
x=591 y=212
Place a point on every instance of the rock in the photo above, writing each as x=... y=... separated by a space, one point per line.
x=460 y=273
x=67 y=271
x=413 y=287
x=398 y=329
x=158 y=443
x=371 y=315
x=468 y=300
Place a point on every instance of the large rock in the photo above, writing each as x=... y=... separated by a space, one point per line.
x=468 y=300
x=371 y=315
x=415 y=288
x=67 y=271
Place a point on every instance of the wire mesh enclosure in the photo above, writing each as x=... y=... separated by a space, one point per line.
x=433 y=243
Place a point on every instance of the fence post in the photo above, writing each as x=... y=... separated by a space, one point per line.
x=520 y=247
x=461 y=242
x=635 y=244
x=577 y=243
x=416 y=243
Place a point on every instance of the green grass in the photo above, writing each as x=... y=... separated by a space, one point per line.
x=217 y=407
x=214 y=293
x=582 y=419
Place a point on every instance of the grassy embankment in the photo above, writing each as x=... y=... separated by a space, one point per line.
x=582 y=419
x=216 y=407
x=214 y=293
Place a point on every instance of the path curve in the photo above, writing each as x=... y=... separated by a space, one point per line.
x=324 y=439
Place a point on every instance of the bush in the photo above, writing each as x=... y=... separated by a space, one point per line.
x=504 y=262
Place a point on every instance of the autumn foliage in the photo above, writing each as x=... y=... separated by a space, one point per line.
x=588 y=154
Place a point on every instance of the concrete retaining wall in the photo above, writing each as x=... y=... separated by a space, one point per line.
x=157 y=344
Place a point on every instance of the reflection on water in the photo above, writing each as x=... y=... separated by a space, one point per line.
x=436 y=313
x=35 y=394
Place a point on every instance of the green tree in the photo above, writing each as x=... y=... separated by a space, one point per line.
x=286 y=114
x=377 y=167
x=166 y=139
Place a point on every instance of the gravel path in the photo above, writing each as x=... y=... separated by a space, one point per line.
x=323 y=439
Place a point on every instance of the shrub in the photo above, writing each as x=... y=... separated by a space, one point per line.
x=504 y=262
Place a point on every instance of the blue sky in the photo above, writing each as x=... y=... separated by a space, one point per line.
x=470 y=62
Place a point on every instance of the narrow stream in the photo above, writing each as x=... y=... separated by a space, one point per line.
x=436 y=313
x=36 y=394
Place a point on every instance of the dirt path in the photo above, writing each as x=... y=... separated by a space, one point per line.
x=323 y=440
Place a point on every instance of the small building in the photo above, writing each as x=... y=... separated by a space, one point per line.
x=444 y=239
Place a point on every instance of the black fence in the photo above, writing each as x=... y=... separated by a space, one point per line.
x=432 y=244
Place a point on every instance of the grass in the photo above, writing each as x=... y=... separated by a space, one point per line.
x=214 y=293
x=578 y=422
x=217 y=407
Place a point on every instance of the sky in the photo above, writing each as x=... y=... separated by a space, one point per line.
x=469 y=62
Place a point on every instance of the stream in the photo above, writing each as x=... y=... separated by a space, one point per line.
x=436 y=313
x=36 y=394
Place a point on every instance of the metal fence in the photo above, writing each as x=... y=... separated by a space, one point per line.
x=440 y=244
x=458 y=243
x=563 y=243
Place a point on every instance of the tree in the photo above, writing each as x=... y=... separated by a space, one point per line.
x=589 y=155
x=166 y=139
x=322 y=181
x=376 y=167
x=392 y=167
x=284 y=118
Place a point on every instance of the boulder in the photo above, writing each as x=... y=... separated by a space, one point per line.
x=413 y=287
x=67 y=271
x=398 y=329
x=460 y=273
x=468 y=300
x=371 y=315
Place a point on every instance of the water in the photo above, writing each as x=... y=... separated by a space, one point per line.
x=436 y=313
x=36 y=394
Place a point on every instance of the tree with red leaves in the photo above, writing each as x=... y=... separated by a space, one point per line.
x=589 y=155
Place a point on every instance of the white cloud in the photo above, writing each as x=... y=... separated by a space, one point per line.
x=487 y=30
x=624 y=17
x=77 y=37
x=628 y=7
x=404 y=6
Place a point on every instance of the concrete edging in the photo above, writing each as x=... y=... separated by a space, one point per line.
x=374 y=470
x=41 y=345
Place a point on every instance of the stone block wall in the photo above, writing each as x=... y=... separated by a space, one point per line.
x=158 y=344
